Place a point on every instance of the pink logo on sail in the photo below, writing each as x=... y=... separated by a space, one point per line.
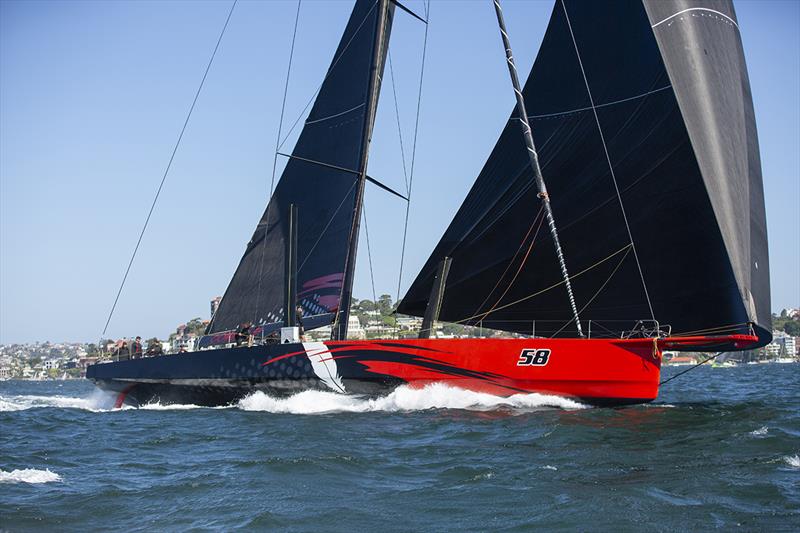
x=317 y=287
x=330 y=281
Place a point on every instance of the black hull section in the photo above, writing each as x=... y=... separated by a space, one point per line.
x=224 y=393
x=222 y=377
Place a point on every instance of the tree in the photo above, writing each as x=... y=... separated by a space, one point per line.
x=792 y=328
x=384 y=304
x=196 y=326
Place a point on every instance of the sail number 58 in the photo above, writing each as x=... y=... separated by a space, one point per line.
x=533 y=357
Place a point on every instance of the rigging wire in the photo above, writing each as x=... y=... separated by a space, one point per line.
x=704 y=361
x=399 y=129
x=511 y=262
x=330 y=69
x=519 y=269
x=414 y=147
x=718 y=329
x=169 y=165
x=534 y=161
x=369 y=252
x=553 y=286
x=275 y=161
x=330 y=221
x=608 y=159
x=596 y=294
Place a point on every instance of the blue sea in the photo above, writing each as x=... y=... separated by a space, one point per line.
x=719 y=450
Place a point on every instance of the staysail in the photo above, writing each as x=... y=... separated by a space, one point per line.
x=322 y=178
x=643 y=121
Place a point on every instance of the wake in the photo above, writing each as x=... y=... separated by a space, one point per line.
x=402 y=399
x=96 y=402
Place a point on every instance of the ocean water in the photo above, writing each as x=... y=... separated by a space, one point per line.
x=719 y=450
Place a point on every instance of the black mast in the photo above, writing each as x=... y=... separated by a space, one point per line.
x=537 y=171
x=290 y=289
x=381 y=34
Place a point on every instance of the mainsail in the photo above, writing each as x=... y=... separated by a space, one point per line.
x=643 y=120
x=322 y=178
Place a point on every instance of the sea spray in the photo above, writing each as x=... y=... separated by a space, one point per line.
x=97 y=401
x=404 y=398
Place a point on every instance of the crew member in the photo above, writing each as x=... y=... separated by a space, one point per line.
x=243 y=333
x=137 y=348
x=299 y=318
x=123 y=354
x=154 y=349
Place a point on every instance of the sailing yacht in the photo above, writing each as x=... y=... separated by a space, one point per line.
x=619 y=214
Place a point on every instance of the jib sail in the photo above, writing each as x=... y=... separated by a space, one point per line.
x=322 y=180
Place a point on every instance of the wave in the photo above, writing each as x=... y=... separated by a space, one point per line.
x=28 y=475
x=760 y=432
x=792 y=460
x=404 y=398
x=99 y=401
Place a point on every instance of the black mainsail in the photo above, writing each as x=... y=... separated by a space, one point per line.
x=643 y=120
x=324 y=178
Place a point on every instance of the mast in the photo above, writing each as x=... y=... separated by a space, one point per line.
x=290 y=289
x=343 y=316
x=537 y=171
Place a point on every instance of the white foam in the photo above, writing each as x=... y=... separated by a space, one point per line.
x=792 y=460
x=28 y=475
x=404 y=398
x=98 y=401
x=174 y=407
x=760 y=432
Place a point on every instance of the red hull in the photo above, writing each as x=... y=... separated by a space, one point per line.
x=597 y=371
x=601 y=371
x=619 y=371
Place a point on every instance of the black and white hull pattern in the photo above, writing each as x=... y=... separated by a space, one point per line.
x=220 y=377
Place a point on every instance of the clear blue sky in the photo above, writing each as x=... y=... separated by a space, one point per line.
x=93 y=94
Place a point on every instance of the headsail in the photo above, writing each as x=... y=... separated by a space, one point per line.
x=625 y=167
x=333 y=136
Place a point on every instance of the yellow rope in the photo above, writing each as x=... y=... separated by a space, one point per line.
x=718 y=329
x=603 y=286
x=587 y=269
